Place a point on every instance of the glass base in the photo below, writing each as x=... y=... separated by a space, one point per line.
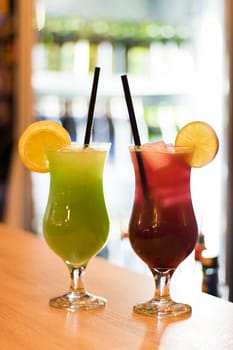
x=154 y=308
x=74 y=302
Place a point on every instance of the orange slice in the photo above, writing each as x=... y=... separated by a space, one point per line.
x=39 y=138
x=202 y=138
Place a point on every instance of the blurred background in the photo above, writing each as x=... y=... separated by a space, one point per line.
x=177 y=57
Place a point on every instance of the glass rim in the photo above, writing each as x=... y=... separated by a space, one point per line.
x=101 y=146
x=172 y=150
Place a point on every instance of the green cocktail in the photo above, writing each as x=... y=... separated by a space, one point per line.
x=76 y=222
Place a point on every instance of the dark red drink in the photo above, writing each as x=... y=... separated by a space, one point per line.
x=163 y=229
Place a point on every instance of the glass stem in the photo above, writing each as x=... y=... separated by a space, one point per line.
x=76 y=279
x=162 y=278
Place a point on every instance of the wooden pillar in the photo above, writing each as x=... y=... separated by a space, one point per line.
x=19 y=203
x=229 y=238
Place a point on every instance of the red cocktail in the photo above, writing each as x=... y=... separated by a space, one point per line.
x=162 y=229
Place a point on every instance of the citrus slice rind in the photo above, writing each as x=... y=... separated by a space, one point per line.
x=202 y=138
x=37 y=140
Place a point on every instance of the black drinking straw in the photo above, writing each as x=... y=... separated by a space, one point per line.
x=135 y=132
x=91 y=107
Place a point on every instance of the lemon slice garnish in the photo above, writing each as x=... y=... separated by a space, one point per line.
x=202 y=138
x=37 y=140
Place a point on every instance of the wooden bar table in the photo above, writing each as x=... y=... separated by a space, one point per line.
x=31 y=273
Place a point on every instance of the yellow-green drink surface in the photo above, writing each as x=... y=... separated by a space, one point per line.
x=76 y=223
